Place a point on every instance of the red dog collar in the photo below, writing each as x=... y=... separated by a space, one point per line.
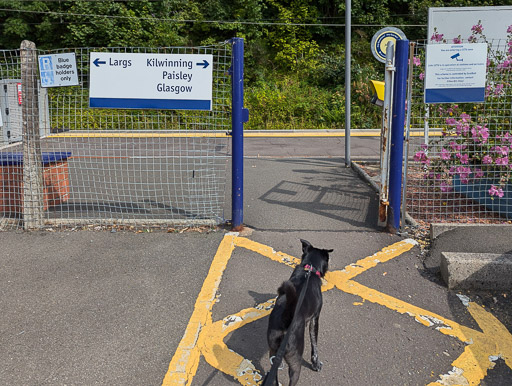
x=308 y=267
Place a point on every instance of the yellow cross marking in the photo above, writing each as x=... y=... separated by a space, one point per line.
x=205 y=337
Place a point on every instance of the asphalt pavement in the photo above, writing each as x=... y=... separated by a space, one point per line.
x=126 y=308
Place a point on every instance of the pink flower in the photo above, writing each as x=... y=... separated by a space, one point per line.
x=422 y=76
x=502 y=161
x=465 y=117
x=421 y=156
x=451 y=121
x=477 y=28
x=479 y=173
x=488 y=90
x=509 y=29
x=416 y=61
x=462 y=128
x=445 y=154
x=494 y=191
x=436 y=37
x=464 y=158
x=501 y=150
x=484 y=133
x=456 y=147
x=445 y=187
x=472 y=39
x=506 y=63
x=480 y=133
x=464 y=173
x=498 y=89
x=457 y=40
x=487 y=160
x=507 y=137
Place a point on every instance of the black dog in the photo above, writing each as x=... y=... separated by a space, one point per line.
x=314 y=260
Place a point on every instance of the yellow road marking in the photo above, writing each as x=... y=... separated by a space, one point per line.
x=205 y=337
x=184 y=363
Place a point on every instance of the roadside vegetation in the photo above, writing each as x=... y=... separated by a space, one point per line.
x=295 y=50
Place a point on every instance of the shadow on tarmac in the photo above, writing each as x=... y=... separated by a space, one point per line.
x=324 y=188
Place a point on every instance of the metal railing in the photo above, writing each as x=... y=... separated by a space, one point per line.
x=113 y=167
x=461 y=170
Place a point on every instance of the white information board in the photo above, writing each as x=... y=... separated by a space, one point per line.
x=455 y=21
x=151 y=81
x=455 y=73
x=58 y=70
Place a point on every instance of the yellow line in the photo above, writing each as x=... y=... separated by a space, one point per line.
x=384 y=255
x=204 y=337
x=267 y=251
x=494 y=342
x=218 y=355
x=183 y=365
x=223 y=134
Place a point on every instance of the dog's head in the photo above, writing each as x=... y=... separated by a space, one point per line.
x=318 y=258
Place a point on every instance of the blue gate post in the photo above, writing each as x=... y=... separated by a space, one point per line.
x=239 y=115
x=397 y=134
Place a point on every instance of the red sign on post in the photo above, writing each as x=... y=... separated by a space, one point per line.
x=18 y=87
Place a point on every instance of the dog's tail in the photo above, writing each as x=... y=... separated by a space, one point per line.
x=288 y=289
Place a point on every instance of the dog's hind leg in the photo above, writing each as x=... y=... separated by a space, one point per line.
x=313 y=337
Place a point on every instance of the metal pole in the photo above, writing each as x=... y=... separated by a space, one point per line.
x=397 y=135
x=386 y=133
x=348 y=57
x=237 y=132
x=407 y=132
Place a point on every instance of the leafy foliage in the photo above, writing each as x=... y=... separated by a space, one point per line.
x=292 y=49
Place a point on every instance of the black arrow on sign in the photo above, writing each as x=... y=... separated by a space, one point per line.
x=97 y=62
x=204 y=64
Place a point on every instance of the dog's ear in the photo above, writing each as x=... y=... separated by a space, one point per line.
x=306 y=245
x=328 y=250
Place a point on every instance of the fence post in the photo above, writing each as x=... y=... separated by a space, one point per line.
x=239 y=115
x=385 y=137
x=32 y=168
x=348 y=85
x=397 y=134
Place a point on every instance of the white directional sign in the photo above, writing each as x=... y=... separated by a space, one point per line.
x=58 y=70
x=455 y=73
x=151 y=81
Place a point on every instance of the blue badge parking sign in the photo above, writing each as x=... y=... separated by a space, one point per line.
x=46 y=71
x=58 y=70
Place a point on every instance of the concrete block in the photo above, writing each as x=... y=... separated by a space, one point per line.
x=487 y=271
x=437 y=229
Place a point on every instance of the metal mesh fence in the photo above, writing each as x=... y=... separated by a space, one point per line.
x=461 y=168
x=113 y=167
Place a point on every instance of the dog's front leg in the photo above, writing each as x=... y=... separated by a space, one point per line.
x=313 y=336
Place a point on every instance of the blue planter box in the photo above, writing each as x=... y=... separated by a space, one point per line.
x=479 y=192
